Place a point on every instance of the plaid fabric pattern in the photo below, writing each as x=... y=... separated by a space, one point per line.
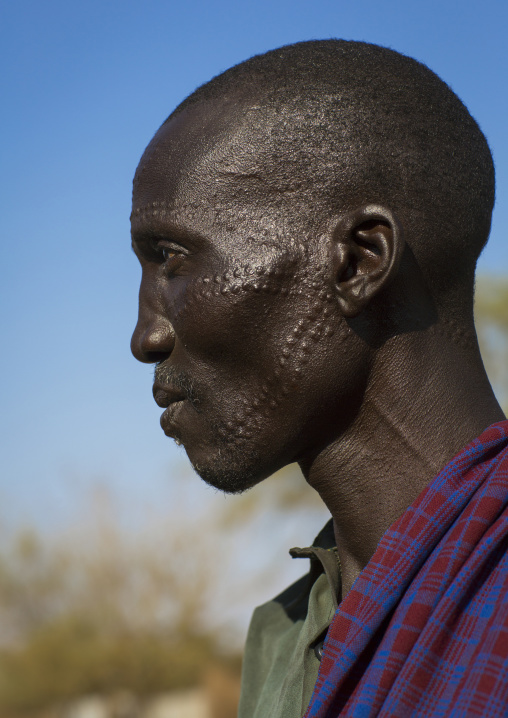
x=424 y=629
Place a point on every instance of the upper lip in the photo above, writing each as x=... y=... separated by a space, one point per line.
x=165 y=394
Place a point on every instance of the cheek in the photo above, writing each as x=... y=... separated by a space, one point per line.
x=226 y=315
x=270 y=337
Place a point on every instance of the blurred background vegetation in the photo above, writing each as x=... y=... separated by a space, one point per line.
x=491 y=311
x=98 y=609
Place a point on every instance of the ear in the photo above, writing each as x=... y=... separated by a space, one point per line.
x=368 y=246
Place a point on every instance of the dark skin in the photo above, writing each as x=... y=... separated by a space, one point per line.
x=276 y=341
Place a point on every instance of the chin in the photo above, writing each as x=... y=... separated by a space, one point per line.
x=232 y=459
x=228 y=472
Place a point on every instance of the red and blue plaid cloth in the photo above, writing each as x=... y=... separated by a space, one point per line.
x=424 y=629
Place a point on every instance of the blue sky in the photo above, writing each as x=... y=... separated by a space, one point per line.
x=84 y=87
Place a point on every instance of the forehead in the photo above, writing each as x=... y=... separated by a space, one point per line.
x=226 y=168
x=200 y=157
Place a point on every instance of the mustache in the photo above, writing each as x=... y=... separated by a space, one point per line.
x=169 y=376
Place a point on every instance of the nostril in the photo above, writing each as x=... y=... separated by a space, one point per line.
x=155 y=357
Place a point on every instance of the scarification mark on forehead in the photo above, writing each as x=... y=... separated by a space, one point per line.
x=262 y=233
x=153 y=209
x=185 y=214
x=160 y=207
x=150 y=206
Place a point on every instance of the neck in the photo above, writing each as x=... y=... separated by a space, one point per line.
x=426 y=399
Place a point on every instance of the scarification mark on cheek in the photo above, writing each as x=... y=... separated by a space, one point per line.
x=295 y=353
x=308 y=294
x=236 y=283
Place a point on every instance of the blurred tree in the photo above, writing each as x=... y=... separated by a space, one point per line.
x=97 y=609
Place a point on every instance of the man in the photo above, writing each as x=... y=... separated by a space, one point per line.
x=308 y=225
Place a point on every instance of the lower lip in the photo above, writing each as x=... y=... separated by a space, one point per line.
x=169 y=418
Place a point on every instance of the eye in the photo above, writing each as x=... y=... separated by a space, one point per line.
x=168 y=253
x=171 y=256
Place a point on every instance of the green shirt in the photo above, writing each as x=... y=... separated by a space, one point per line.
x=286 y=635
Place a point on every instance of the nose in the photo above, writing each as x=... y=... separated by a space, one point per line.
x=152 y=342
x=153 y=338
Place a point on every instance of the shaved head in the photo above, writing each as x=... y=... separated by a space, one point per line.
x=338 y=123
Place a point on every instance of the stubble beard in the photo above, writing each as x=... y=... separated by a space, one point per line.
x=232 y=463
x=228 y=473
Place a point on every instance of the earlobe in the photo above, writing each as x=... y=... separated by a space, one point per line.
x=368 y=246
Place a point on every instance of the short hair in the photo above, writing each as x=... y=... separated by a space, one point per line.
x=366 y=123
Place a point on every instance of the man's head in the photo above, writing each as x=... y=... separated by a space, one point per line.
x=289 y=216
